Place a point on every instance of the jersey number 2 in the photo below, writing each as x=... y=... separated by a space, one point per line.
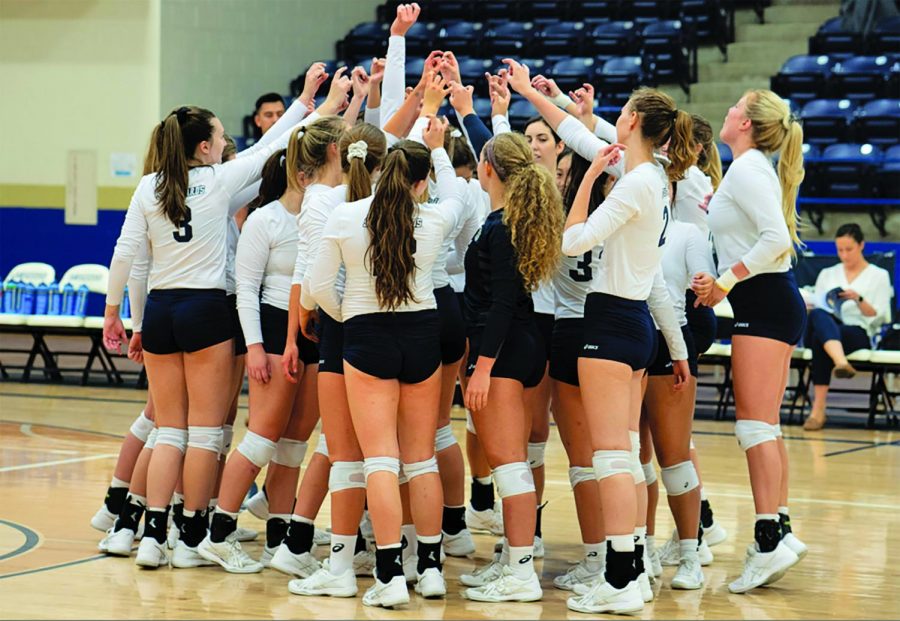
x=584 y=272
x=662 y=236
x=184 y=233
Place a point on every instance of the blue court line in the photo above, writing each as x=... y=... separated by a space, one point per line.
x=863 y=448
x=38 y=570
x=31 y=539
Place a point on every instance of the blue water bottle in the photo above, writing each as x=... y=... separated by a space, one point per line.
x=18 y=288
x=41 y=299
x=54 y=299
x=125 y=309
x=26 y=302
x=68 y=300
x=81 y=299
x=9 y=297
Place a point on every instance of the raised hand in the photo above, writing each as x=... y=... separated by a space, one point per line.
x=519 y=76
x=377 y=71
x=407 y=15
x=461 y=99
x=315 y=77
x=433 y=136
x=337 y=94
x=545 y=86
x=584 y=101
x=436 y=90
x=449 y=67
x=499 y=92
x=361 y=82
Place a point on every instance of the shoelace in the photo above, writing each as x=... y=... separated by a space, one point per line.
x=237 y=555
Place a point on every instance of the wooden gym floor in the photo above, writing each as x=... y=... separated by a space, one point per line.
x=58 y=445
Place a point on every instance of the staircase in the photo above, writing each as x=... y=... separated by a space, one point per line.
x=758 y=52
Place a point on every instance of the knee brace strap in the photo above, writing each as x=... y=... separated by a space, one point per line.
x=141 y=428
x=173 y=437
x=206 y=438
x=289 y=453
x=444 y=438
x=151 y=439
x=680 y=478
x=635 y=457
x=418 y=468
x=777 y=429
x=322 y=446
x=513 y=479
x=610 y=463
x=227 y=438
x=346 y=475
x=536 y=454
x=580 y=474
x=649 y=473
x=752 y=432
x=372 y=465
x=257 y=449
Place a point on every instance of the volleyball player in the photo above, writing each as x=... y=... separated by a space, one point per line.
x=388 y=245
x=753 y=220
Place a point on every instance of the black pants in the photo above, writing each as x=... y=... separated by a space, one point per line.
x=822 y=327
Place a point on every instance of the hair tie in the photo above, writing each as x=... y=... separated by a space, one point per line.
x=358 y=149
x=787 y=120
x=181 y=114
x=674 y=115
x=455 y=133
x=300 y=132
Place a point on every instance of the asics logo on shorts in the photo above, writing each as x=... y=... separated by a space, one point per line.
x=337 y=548
x=592 y=347
x=742 y=324
x=524 y=559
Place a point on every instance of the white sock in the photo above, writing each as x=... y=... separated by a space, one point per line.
x=767 y=516
x=217 y=510
x=138 y=500
x=303 y=520
x=640 y=535
x=595 y=555
x=484 y=480
x=688 y=549
x=521 y=561
x=342 y=551
x=783 y=510
x=412 y=545
x=118 y=483
x=621 y=543
x=214 y=502
x=504 y=552
x=651 y=542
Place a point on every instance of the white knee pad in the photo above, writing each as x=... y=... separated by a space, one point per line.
x=372 y=465
x=173 y=437
x=322 y=446
x=610 y=463
x=470 y=425
x=580 y=474
x=444 y=438
x=346 y=475
x=752 y=432
x=418 y=468
x=635 y=457
x=289 y=453
x=257 y=449
x=227 y=438
x=401 y=477
x=151 y=439
x=649 y=473
x=536 y=454
x=680 y=478
x=513 y=479
x=141 y=428
x=206 y=438
x=777 y=429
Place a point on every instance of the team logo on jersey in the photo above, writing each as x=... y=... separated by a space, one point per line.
x=195 y=190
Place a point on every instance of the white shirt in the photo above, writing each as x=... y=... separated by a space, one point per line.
x=746 y=220
x=393 y=85
x=686 y=253
x=580 y=139
x=873 y=284
x=265 y=258
x=689 y=195
x=572 y=283
x=319 y=201
x=346 y=240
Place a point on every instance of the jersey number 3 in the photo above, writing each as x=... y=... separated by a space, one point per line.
x=662 y=236
x=184 y=233
x=583 y=273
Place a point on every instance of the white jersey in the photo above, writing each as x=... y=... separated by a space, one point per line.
x=690 y=193
x=231 y=241
x=685 y=254
x=746 y=220
x=346 y=239
x=581 y=140
x=265 y=259
x=572 y=283
x=319 y=201
x=544 y=298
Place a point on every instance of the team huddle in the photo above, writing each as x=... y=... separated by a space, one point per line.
x=568 y=270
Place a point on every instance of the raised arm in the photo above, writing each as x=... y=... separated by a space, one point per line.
x=394 y=85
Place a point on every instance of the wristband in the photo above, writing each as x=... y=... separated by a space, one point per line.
x=727 y=281
x=561 y=101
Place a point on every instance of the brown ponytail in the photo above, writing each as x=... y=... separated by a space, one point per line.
x=391 y=223
x=273 y=183
x=708 y=161
x=177 y=139
x=359 y=169
x=662 y=122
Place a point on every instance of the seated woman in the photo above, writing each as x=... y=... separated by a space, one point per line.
x=856 y=313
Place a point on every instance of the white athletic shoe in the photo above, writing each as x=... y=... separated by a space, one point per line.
x=460 y=544
x=297 y=565
x=266 y=558
x=689 y=576
x=604 y=597
x=394 y=593
x=580 y=574
x=185 y=557
x=670 y=552
x=482 y=575
x=507 y=588
x=704 y=554
x=648 y=565
x=244 y=534
x=117 y=542
x=484 y=521
x=538 y=548
x=411 y=568
x=431 y=583
x=364 y=563
x=321 y=537
x=151 y=554
x=643 y=582
x=715 y=534
x=793 y=542
x=323 y=582
x=104 y=519
x=764 y=567
x=172 y=536
x=258 y=505
x=654 y=566
x=229 y=555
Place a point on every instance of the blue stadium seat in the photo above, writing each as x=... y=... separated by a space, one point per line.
x=885 y=37
x=510 y=38
x=846 y=170
x=366 y=39
x=619 y=77
x=419 y=38
x=571 y=73
x=460 y=37
x=700 y=14
x=725 y=155
x=643 y=11
x=612 y=39
x=414 y=69
x=833 y=39
x=520 y=111
x=878 y=122
x=595 y=9
x=500 y=11
x=544 y=12
x=803 y=77
x=562 y=38
x=827 y=121
x=472 y=70
x=860 y=77
x=663 y=45
x=482 y=107
x=889 y=173
x=442 y=10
